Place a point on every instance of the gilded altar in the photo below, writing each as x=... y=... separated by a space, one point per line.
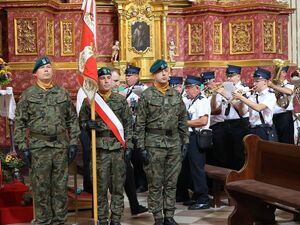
x=142 y=33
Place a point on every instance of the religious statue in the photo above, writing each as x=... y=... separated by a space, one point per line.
x=172 y=48
x=115 y=51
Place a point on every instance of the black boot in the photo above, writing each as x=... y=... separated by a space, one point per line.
x=114 y=223
x=138 y=210
x=159 y=221
x=170 y=221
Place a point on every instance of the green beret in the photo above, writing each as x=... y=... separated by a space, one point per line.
x=104 y=71
x=158 y=65
x=44 y=60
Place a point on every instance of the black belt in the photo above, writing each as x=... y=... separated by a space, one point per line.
x=261 y=126
x=159 y=131
x=237 y=120
x=50 y=138
x=106 y=133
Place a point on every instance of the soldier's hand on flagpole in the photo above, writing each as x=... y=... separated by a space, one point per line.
x=91 y=124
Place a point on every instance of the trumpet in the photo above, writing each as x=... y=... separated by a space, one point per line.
x=210 y=91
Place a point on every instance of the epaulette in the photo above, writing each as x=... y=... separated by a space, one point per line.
x=200 y=97
x=271 y=90
x=244 y=85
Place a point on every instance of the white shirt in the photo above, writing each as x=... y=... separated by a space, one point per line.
x=217 y=118
x=267 y=98
x=232 y=112
x=133 y=96
x=290 y=107
x=199 y=108
x=79 y=100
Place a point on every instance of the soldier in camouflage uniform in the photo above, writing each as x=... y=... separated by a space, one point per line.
x=161 y=130
x=47 y=111
x=110 y=155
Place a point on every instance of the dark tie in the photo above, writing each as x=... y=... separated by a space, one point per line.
x=227 y=110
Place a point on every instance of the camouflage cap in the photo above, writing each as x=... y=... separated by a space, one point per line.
x=44 y=60
x=158 y=65
x=104 y=71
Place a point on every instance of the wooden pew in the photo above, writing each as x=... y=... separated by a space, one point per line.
x=269 y=179
x=218 y=176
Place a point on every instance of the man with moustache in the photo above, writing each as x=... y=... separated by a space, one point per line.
x=161 y=128
x=46 y=110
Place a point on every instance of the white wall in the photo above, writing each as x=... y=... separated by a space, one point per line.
x=294 y=33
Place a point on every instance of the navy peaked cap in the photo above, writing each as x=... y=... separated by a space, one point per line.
x=262 y=73
x=285 y=69
x=207 y=76
x=104 y=71
x=44 y=60
x=232 y=70
x=192 y=80
x=158 y=65
x=132 y=69
x=175 y=80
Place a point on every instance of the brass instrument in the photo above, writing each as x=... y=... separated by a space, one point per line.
x=296 y=81
x=282 y=99
x=209 y=92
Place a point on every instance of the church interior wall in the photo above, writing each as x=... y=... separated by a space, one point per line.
x=55 y=29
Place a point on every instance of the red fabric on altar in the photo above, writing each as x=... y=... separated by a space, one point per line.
x=11 y=208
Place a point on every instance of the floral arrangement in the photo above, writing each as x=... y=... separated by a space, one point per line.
x=10 y=165
x=5 y=75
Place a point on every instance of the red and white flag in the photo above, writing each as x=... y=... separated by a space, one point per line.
x=87 y=64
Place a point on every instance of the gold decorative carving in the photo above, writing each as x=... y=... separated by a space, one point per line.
x=49 y=37
x=26 y=36
x=176 y=39
x=279 y=38
x=196 y=39
x=67 y=38
x=139 y=11
x=217 y=38
x=241 y=37
x=269 y=37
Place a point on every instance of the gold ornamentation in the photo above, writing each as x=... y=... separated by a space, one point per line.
x=279 y=38
x=67 y=38
x=241 y=37
x=26 y=36
x=138 y=12
x=269 y=37
x=49 y=37
x=217 y=38
x=196 y=39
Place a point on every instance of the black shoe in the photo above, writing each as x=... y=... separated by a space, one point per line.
x=140 y=209
x=102 y=223
x=189 y=202
x=197 y=206
x=141 y=189
x=170 y=221
x=114 y=223
x=159 y=221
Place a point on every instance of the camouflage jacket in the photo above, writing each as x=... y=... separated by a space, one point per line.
x=46 y=114
x=119 y=106
x=161 y=112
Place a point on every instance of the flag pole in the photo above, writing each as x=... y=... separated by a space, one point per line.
x=94 y=166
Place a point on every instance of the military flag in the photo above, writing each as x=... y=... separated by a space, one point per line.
x=87 y=65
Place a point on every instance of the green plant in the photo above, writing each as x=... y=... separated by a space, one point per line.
x=5 y=75
x=11 y=164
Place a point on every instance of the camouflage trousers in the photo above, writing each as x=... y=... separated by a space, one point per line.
x=110 y=176
x=49 y=177
x=162 y=174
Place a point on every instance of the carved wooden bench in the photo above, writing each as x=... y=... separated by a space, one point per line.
x=269 y=179
x=218 y=176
